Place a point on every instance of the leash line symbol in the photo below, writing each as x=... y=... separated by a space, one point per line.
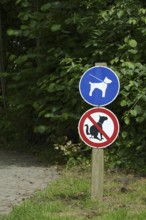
x=96 y=77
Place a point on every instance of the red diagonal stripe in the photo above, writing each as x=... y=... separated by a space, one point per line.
x=98 y=127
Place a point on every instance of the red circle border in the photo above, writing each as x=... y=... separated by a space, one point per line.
x=81 y=127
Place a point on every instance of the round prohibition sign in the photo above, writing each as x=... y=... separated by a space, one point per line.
x=98 y=127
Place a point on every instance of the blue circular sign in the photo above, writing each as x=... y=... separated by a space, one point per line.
x=99 y=86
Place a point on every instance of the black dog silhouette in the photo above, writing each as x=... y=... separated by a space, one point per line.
x=94 y=130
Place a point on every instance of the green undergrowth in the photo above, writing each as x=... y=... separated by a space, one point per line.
x=69 y=198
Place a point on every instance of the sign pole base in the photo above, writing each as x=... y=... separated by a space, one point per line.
x=97 y=174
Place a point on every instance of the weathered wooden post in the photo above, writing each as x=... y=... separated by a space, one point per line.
x=97 y=174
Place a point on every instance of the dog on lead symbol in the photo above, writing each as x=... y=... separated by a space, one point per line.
x=100 y=85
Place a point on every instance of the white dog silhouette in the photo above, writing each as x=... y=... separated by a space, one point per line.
x=100 y=85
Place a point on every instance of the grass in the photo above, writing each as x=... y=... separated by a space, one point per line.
x=68 y=198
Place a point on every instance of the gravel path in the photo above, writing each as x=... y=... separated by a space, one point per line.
x=20 y=176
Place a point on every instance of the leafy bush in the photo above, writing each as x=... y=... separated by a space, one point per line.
x=50 y=47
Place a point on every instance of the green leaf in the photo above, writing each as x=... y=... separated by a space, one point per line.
x=128 y=64
x=142 y=11
x=123 y=103
x=139 y=119
x=46 y=7
x=127 y=120
x=124 y=134
x=60 y=87
x=51 y=87
x=22 y=59
x=12 y=57
x=138 y=109
x=144 y=97
x=18 y=1
x=49 y=115
x=132 y=43
x=55 y=27
x=133 y=51
x=139 y=148
x=12 y=32
x=120 y=13
x=41 y=129
x=126 y=39
x=133 y=112
x=3 y=74
x=24 y=27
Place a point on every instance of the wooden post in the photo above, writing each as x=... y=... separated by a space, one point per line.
x=97 y=168
x=97 y=174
